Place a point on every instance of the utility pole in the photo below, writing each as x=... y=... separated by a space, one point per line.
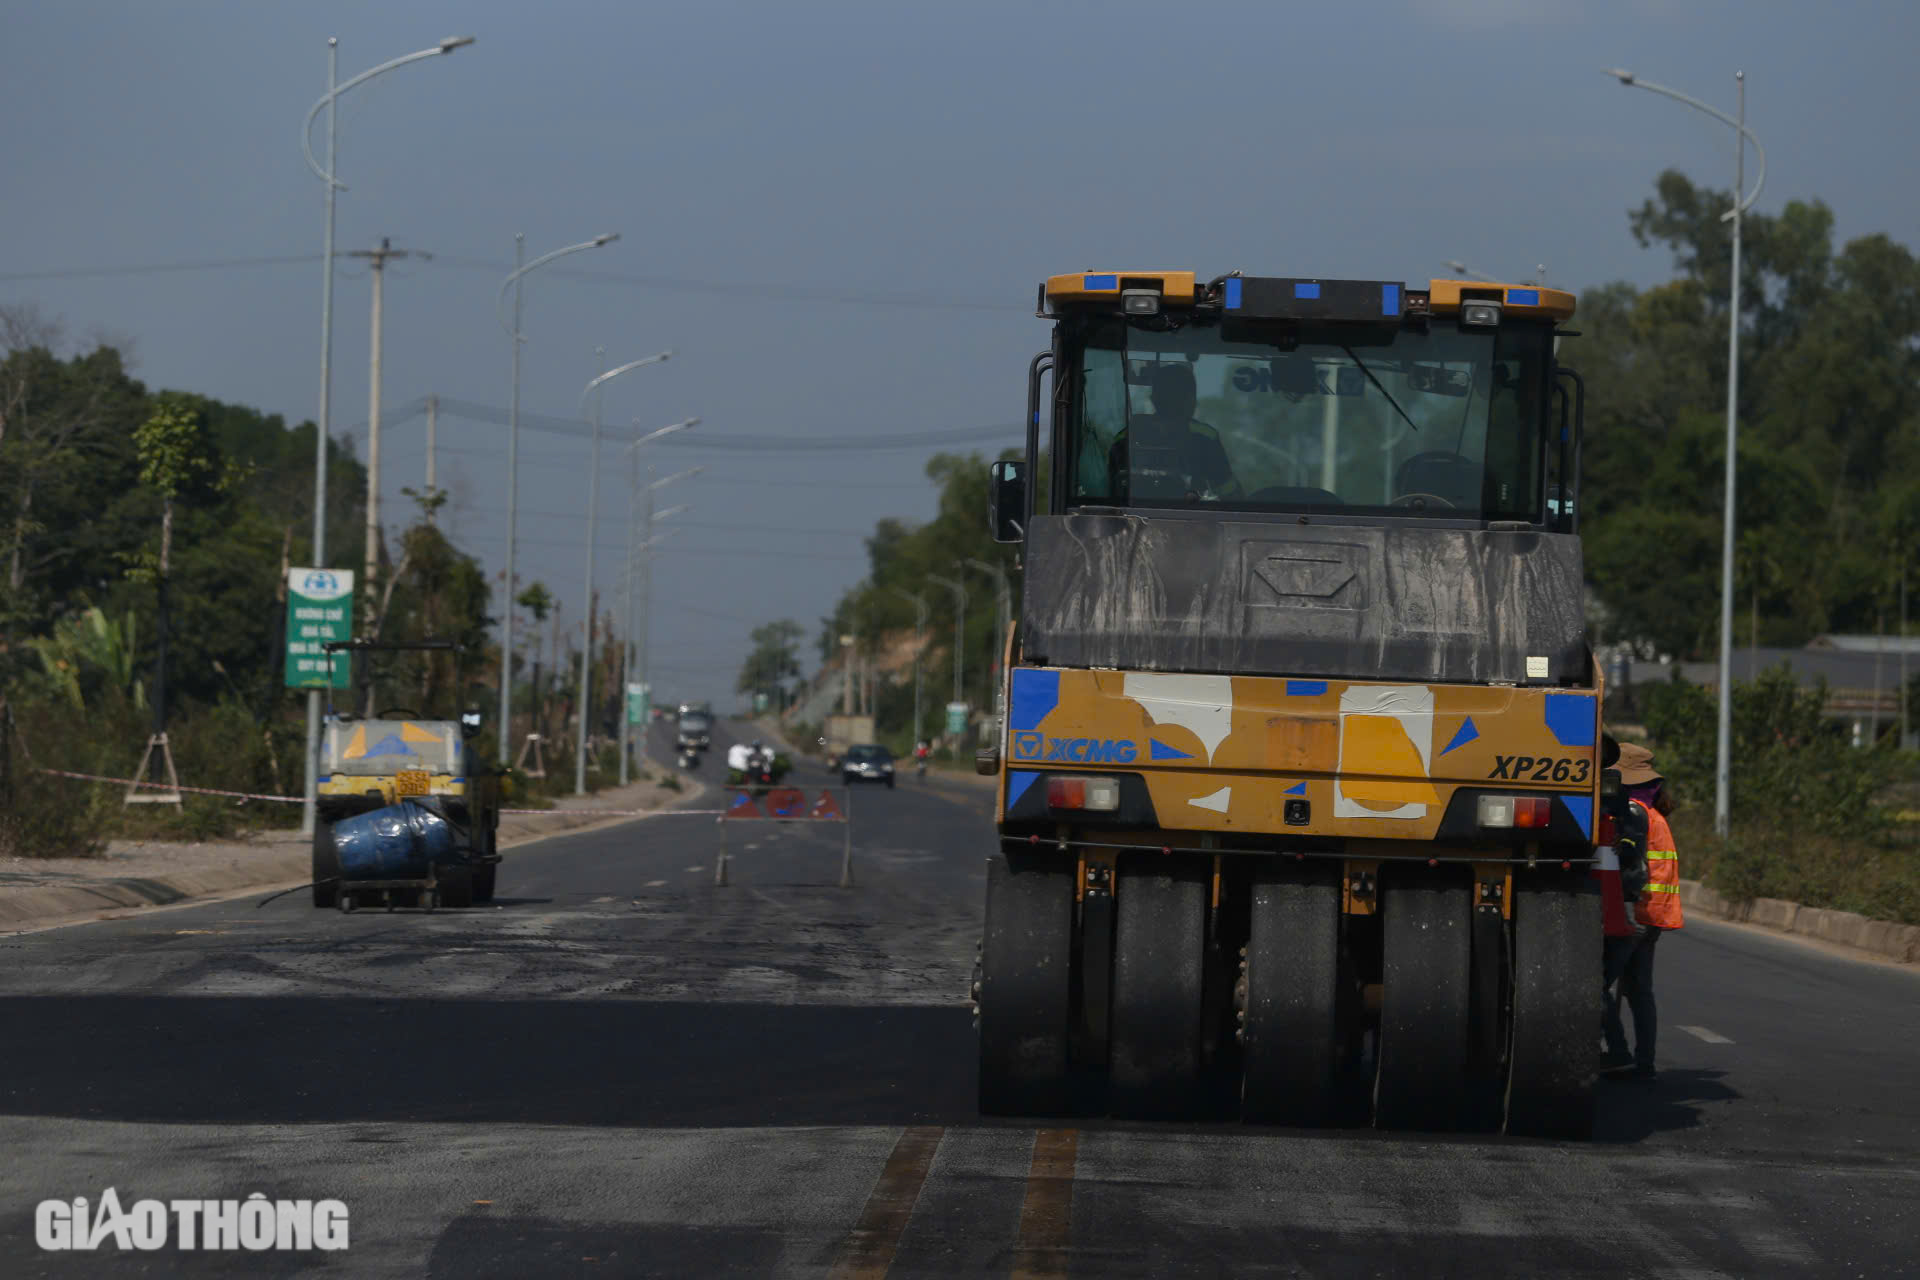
x=845 y=674
x=377 y=261
x=1903 y=653
x=959 y=590
x=627 y=646
x=921 y=613
x=433 y=422
x=1002 y=617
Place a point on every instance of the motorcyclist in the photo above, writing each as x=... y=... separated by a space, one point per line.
x=921 y=752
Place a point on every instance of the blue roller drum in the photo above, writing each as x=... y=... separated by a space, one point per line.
x=400 y=842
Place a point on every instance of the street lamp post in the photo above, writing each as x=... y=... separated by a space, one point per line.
x=323 y=424
x=959 y=590
x=1722 y=766
x=641 y=658
x=923 y=612
x=1003 y=610
x=634 y=651
x=592 y=393
x=520 y=269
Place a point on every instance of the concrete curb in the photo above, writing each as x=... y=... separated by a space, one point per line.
x=1900 y=942
x=45 y=903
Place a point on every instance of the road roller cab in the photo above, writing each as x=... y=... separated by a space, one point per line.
x=1299 y=772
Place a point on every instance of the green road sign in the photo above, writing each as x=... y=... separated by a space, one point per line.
x=956 y=717
x=638 y=698
x=319 y=610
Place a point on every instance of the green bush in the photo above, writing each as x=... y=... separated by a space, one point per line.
x=51 y=818
x=1788 y=766
x=223 y=747
x=1810 y=817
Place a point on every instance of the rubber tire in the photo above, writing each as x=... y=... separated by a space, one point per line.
x=1026 y=961
x=326 y=865
x=483 y=879
x=1293 y=1042
x=1556 y=1004
x=1427 y=928
x=456 y=887
x=1159 y=954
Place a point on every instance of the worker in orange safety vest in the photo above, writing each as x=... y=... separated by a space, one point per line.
x=1656 y=912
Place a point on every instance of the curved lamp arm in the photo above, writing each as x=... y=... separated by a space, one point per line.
x=668 y=430
x=613 y=373
x=1632 y=81
x=500 y=301
x=306 y=131
x=688 y=474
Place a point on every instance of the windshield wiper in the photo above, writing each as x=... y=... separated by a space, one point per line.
x=1383 y=391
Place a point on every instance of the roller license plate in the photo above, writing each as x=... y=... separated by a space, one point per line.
x=412 y=782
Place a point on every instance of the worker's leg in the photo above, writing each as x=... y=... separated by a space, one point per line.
x=1638 y=982
x=1613 y=964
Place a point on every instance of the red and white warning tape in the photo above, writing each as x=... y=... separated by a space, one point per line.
x=166 y=786
x=248 y=795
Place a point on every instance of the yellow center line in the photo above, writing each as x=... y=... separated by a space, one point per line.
x=868 y=1250
x=1046 y=1215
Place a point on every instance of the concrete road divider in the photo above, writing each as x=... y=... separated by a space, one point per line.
x=1899 y=942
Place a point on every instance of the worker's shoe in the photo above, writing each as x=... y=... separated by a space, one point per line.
x=1631 y=1071
x=1610 y=1062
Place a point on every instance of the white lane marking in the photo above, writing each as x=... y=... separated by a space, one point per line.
x=690 y=870
x=655 y=884
x=1711 y=1037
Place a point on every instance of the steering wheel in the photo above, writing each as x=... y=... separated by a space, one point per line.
x=392 y=712
x=1420 y=500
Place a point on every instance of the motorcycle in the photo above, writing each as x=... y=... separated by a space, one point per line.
x=689 y=758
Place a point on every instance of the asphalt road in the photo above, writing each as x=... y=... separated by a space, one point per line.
x=621 y=1069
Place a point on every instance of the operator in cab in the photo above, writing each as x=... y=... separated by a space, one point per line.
x=1166 y=455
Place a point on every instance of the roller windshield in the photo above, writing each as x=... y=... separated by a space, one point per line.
x=1446 y=422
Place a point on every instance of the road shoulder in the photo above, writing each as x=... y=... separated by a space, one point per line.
x=139 y=876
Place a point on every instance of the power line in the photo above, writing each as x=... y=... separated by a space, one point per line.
x=670 y=549
x=413 y=448
x=158 y=268
x=726 y=526
x=759 y=289
x=868 y=442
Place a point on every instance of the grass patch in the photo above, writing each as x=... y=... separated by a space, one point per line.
x=1876 y=876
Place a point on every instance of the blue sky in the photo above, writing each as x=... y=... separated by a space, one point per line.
x=836 y=213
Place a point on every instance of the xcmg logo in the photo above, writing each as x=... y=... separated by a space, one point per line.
x=1031 y=744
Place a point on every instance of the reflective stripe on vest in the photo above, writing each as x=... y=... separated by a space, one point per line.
x=1659 y=905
